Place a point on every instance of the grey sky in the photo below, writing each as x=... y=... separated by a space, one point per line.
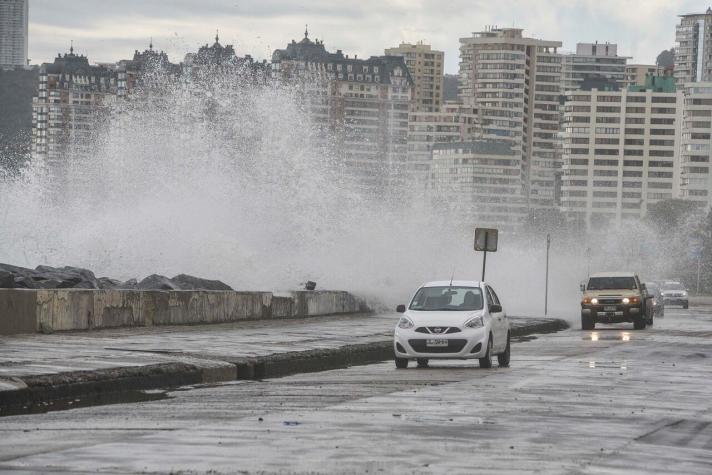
x=111 y=30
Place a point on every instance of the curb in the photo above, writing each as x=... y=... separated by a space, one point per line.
x=106 y=386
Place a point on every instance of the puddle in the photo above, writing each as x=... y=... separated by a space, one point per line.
x=608 y=364
x=40 y=407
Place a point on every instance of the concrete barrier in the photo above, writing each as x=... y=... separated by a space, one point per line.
x=49 y=310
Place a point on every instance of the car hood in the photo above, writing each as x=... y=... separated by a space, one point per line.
x=442 y=318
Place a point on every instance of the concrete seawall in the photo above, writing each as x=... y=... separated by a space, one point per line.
x=29 y=311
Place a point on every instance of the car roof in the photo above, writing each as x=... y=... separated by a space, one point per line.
x=455 y=283
x=613 y=274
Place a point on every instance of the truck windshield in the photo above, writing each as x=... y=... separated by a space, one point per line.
x=605 y=283
x=447 y=298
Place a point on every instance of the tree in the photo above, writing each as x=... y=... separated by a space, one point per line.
x=666 y=58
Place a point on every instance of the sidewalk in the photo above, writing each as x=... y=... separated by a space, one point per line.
x=39 y=367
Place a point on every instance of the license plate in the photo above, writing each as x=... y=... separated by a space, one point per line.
x=435 y=342
x=611 y=308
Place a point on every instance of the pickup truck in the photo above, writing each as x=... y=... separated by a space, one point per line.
x=615 y=297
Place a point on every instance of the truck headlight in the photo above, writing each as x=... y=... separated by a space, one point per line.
x=594 y=301
x=626 y=300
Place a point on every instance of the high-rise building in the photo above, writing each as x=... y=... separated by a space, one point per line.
x=619 y=152
x=479 y=183
x=514 y=82
x=694 y=48
x=426 y=67
x=361 y=104
x=14 y=18
x=71 y=96
x=592 y=62
x=453 y=123
x=695 y=147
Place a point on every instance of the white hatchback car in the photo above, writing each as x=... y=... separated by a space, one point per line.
x=452 y=320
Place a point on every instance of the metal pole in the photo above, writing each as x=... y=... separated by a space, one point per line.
x=484 y=257
x=546 y=291
x=699 y=265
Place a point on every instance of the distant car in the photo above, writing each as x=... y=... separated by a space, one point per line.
x=452 y=320
x=674 y=293
x=615 y=297
x=654 y=290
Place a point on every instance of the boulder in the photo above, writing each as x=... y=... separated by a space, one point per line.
x=7 y=280
x=68 y=277
x=131 y=284
x=105 y=283
x=189 y=282
x=157 y=282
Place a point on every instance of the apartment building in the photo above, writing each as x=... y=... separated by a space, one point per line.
x=693 y=50
x=695 y=152
x=426 y=67
x=514 y=83
x=72 y=95
x=592 y=62
x=361 y=105
x=453 y=123
x=636 y=74
x=619 y=153
x=479 y=183
x=14 y=21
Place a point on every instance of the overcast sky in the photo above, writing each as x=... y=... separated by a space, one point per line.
x=107 y=31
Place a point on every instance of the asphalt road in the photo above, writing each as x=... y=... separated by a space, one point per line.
x=610 y=401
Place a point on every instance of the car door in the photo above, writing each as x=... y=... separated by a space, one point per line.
x=499 y=333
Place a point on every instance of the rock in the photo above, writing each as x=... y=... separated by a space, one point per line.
x=69 y=277
x=189 y=282
x=157 y=282
x=7 y=280
x=131 y=284
x=105 y=283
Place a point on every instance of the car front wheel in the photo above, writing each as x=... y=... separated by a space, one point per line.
x=486 y=361
x=503 y=358
x=587 y=322
x=401 y=363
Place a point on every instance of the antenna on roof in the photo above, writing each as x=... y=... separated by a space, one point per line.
x=150 y=45
x=306 y=31
x=71 y=47
x=452 y=276
x=217 y=36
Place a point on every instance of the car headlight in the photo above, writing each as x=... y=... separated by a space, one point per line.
x=594 y=301
x=684 y=293
x=405 y=323
x=476 y=322
x=626 y=300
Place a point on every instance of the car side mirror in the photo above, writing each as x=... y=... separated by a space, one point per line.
x=400 y=308
x=495 y=308
x=642 y=286
x=582 y=286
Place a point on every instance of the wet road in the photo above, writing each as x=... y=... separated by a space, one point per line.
x=610 y=401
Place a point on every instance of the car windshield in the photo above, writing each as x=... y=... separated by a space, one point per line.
x=447 y=298
x=605 y=283
x=673 y=286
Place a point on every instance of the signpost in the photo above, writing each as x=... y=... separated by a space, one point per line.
x=486 y=241
x=546 y=291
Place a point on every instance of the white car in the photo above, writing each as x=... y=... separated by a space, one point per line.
x=452 y=320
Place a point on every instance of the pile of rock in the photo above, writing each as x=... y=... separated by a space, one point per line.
x=46 y=277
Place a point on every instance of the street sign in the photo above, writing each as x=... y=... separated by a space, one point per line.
x=486 y=239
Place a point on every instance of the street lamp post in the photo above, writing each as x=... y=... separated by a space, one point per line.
x=546 y=291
